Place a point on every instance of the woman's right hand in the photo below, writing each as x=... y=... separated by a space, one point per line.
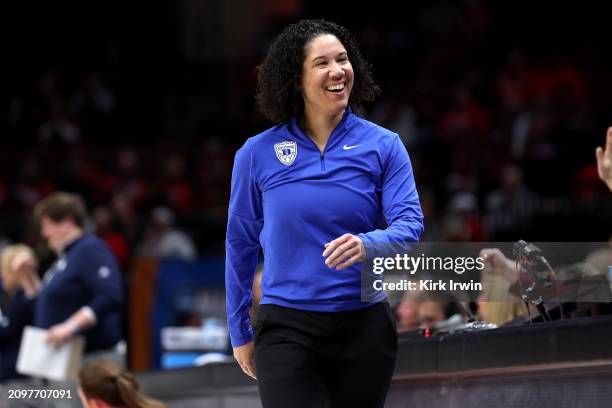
x=25 y=265
x=245 y=356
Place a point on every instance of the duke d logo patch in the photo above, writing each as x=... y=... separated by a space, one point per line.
x=286 y=152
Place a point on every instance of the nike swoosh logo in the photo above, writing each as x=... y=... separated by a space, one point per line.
x=345 y=147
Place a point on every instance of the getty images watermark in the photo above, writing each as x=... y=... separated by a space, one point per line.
x=411 y=264
x=495 y=271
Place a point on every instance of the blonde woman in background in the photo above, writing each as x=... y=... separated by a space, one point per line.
x=20 y=284
x=496 y=304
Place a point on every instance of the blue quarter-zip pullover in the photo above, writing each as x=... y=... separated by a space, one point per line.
x=290 y=199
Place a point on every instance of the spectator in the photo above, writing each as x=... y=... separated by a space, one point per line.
x=128 y=221
x=463 y=209
x=105 y=229
x=163 y=240
x=406 y=313
x=512 y=196
x=496 y=304
x=430 y=312
x=511 y=203
x=434 y=308
x=58 y=127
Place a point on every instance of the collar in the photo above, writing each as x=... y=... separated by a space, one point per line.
x=71 y=244
x=340 y=128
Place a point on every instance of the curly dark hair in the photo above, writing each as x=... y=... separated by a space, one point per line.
x=279 y=78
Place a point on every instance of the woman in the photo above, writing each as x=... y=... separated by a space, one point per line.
x=82 y=292
x=103 y=384
x=313 y=192
x=20 y=284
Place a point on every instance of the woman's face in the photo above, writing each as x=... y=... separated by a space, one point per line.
x=327 y=78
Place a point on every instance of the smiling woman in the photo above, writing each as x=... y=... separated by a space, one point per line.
x=279 y=92
x=328 y=76
x=314 y=192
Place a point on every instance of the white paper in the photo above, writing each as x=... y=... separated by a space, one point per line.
x=37 y=358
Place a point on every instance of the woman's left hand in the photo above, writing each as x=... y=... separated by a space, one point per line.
x=344 y=251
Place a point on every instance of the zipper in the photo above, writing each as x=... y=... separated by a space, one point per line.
x=322 y=153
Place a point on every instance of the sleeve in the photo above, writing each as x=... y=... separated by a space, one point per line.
x=400 y=205
x=101 y=276
x=19 y=314
x=245 y=222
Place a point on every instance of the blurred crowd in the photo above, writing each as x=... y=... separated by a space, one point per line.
x=136 y=193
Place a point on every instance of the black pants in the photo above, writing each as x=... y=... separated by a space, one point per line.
x=310 y=359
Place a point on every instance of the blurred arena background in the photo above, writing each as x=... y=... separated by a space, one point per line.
x=140 y=107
